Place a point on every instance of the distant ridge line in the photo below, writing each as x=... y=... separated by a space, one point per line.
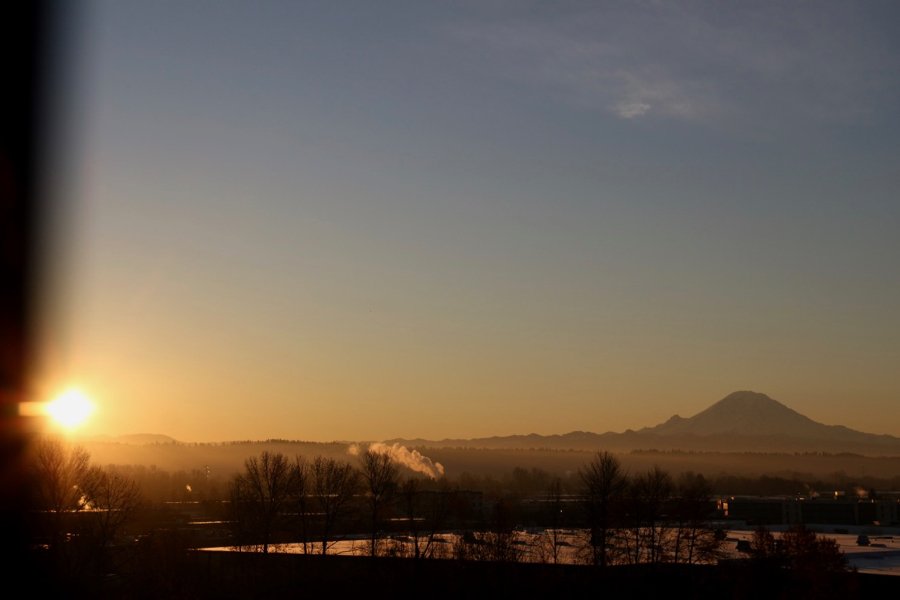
x=743 y=421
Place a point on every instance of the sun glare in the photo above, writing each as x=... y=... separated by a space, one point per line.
x=70 y=409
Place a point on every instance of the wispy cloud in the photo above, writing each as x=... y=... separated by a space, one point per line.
x=764 y=62
x=630 y=110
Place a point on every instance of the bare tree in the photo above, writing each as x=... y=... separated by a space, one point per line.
x=379 y=473
x=657 y=490
x=762 y=545
x=410 y=494
x=113 y=500
x=427 y=512
x=499 y=542
x=67 y=488
x=603 y=483
x=260 y=494
x=300 y=492
x=549 y=542
x=633 y=518
x=63 y=476
x=647 y=496
x=334 y=484
x=695 y=541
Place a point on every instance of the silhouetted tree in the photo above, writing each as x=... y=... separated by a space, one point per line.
x=647 y=496
x=409 y=493
x=695 y=540
x=260 y=494
x=334 y=484
x=63 y=476
x=82 y=508
x=603 y=483
x=500 y=543
x=379 y=475
x=300 y=492
x=805 y=551
x=800 y=562
x=496 y=543
x=427 y=513
x=550 y=541
x=762 y=544
x=113 y=500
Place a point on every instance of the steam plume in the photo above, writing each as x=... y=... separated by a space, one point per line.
x=411 y=459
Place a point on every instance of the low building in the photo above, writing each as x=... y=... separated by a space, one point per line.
x=836 y=510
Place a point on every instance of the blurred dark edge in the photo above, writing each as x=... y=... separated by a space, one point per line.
x=26 y=41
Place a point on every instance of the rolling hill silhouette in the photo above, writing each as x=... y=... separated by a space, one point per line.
x=134 y=439
x=743 y=421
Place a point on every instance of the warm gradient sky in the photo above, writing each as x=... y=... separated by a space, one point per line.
x=360 y=220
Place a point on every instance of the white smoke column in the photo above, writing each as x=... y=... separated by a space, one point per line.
x=411 y=459
x=353 y=450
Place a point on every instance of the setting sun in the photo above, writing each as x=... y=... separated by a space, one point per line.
x=70 y=409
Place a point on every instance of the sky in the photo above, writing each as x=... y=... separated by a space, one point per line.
x=368 y=220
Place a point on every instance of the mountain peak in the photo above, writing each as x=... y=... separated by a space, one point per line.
x=746 y=399
x=744 y=413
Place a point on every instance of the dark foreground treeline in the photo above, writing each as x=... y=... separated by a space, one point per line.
x=158 y=572
x=92 y=527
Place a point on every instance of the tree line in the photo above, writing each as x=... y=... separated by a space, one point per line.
x=277 y=498
x=611 y=518
x=81 y=508
x=602 y=515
